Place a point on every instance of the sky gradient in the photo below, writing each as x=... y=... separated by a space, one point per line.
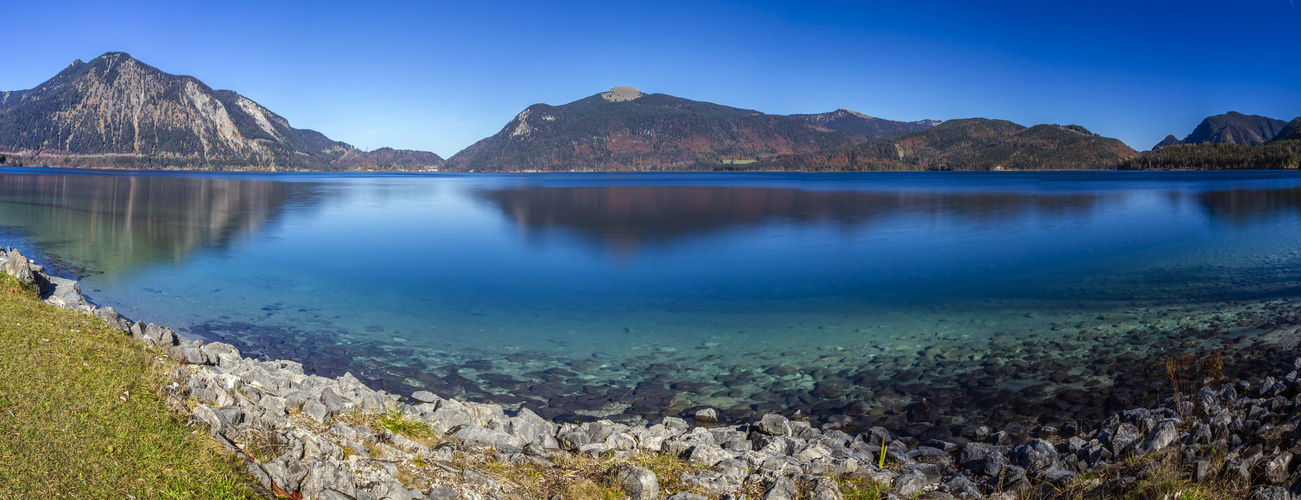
x=439 y=76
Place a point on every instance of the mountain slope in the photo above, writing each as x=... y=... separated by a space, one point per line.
x=118 y=111
x=973 y=144
x=624 y=129
x=1170 y=140
x=1235 y=128
x=845 y=120
x=1290 y=132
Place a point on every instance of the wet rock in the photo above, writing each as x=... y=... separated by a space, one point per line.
x=706 y=416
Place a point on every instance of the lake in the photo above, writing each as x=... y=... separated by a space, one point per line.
x=1000 y=297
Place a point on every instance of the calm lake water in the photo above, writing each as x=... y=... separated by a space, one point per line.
x=635 y=296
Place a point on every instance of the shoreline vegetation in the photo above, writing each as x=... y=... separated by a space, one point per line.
x=94 y=405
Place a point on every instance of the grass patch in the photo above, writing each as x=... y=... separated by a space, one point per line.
x=81 y=414
x=858 y=488
x=1161 y=475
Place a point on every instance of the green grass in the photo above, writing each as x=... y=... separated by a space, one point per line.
x=81 y=414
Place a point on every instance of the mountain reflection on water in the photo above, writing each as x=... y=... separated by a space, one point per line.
x=626 y=217
x=111 y=224
x=1248 y=206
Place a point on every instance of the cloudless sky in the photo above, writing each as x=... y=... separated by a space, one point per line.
x=439 y=76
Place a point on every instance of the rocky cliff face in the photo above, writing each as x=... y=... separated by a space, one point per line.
x=625 y=129
x=118 y=111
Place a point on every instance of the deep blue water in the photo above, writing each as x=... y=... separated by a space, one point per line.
x=406 y=278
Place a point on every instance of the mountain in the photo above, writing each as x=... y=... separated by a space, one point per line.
x=1283 y=151
x=972 y=144
x=116 y=111
x=845 y=120
x=1235 y=128
x=624 y=129
x=1290 y=132
x=1170 y=140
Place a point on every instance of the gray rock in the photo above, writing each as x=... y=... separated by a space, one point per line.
x=405 y=444
x=1270 y=493
x=686 y=496
x=781 y=489
x=335 y=495
x=443 y=493
x=1201 y=470
x=822 y=488
x=332 y=400
x=393 y=490
x=1058 y=477
x=258 y=474
x=1160 y=437
x=916 y=478
x=316 y=411
x=1275 y=470
x=982 y=458
x=324 y=476
x=638 y=483
x=480 y=479
x=774 y=425
x=424 y=397
x=1036 y=456
x=706 y=416
x=159 y=336
x=474 y=435
x=675 y=425
x=112 y=318
x=19 y=267
x=449 y=415
x=707 y=454
x=208 y=416
x=286 y=474
x=66 y=294
x=962 y=488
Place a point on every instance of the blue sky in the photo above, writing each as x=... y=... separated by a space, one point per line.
x=438 y=76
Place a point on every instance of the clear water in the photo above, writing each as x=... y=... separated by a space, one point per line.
x=635 y=296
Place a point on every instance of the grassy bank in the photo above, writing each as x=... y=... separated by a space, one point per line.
x=81 y=416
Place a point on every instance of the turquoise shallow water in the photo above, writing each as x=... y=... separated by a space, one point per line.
x=635 y=296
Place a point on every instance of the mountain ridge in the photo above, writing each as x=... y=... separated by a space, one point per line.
x=1230 y=128
x=972 y=144
x=625 y=129
x=116 y=111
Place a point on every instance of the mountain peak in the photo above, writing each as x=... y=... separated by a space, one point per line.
x=621 y=94
x=1235 y=128
x=1291 y=131
x=844 y=111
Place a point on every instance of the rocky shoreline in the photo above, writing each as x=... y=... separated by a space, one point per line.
x=304 y=436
